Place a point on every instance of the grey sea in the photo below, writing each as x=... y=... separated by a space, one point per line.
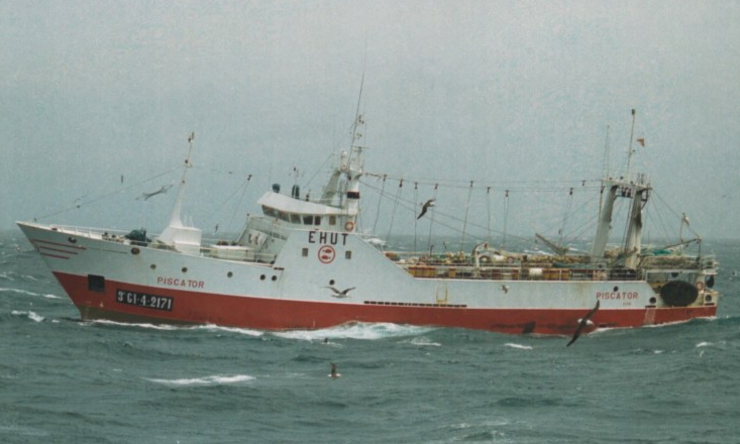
x=66 y=381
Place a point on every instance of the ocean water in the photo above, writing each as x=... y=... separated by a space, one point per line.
x=66 y=381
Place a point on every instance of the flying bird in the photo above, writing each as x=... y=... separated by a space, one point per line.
x=583 y=323
x=337 y=293
x=425 y=207
x=162 y=190
x=334 y=374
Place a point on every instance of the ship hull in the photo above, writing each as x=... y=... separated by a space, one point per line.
x=126 y=282
x=282 y=314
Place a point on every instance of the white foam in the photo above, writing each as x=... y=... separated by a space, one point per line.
x=29 y=293
x=704 y=344
x=241 y=331
x=204 y=381
x=152 y=326
x=30 y=314
x=518 y=346
x=424 y=342
x=19 y=291
x=361 y=331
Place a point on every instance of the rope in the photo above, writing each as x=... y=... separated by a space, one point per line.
x=521 y=185
x=431 y=223
x=411 y=207
x=467 y=209
x=506 y=217
x=565 y=216
x=488 y=207
x=380 y=200
x=105 y=196
x=241 y=199
x=416 y=199
x=393 y=215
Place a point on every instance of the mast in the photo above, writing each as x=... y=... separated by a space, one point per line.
x=177 y=235
x=639 y=188
x=351 y=166
x=175 y=217
x=630 y=152
x=629 y=187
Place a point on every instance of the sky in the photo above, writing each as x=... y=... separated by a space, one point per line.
x=97 y=99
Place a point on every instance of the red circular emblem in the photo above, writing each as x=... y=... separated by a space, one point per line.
x=327 y=254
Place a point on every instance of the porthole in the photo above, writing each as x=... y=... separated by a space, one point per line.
x=135 y=251
x=616 y=289
x=184 y=269
x=653 y=301
x=331 y=282
x=229 y=274
x=262 y=277
x=708 y=298
x=153 y=267
x=274 y=278
x=72 y=240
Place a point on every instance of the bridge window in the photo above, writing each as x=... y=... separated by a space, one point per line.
x=269 y=211
x=332 y=220
x=295 y=219
x=317 y=220
x=308 y=220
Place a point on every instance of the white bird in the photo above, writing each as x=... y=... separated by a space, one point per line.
x=425 y=207
x=340 y=293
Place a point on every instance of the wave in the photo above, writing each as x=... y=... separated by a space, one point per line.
x=359 y=330
x=173 y=327
x=423 y=341
x=518 y=346
x=241 y=331
x=718 y=345
x=204 y=381
x=29 y=293
x=17 y=290
x=143 y=325
x=30 y=314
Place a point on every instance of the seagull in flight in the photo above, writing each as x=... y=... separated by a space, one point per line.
x=583 y=323
x=425 y=207
x=146 y=196
x=337 y=293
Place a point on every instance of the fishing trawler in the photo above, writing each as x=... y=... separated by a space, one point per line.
x=303 y=264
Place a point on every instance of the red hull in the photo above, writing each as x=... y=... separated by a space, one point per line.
x=282 y=314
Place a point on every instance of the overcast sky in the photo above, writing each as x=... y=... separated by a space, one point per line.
x=98 y=96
